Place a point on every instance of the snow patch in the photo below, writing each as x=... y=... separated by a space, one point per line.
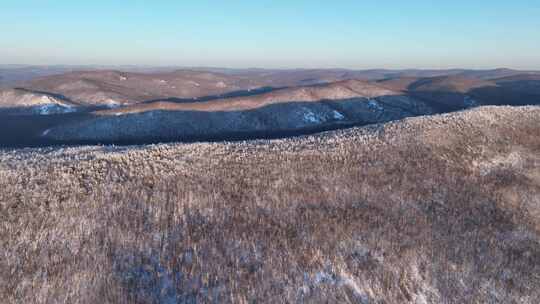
x=111 y=103
x=510 y=161
x=52 y=108
x=469 y=102
x=374 y=105
x=39 y=104
x=45 y=109
x=44 y=133
x=153 y=280
x=337 y=115
x=311 y=117
x=343 y=279
x=46 y=99
x=322 y=277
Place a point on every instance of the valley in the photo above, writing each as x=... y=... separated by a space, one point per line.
x=125 y=107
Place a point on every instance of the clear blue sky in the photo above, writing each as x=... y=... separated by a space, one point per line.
x=280 y=33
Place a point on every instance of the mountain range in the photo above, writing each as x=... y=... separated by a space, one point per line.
x=61 y=106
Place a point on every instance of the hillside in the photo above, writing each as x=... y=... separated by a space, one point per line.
x=150 y=106
x=273 y=114
x=456 y=92
x=115 y=88
x=97 y=85
x=21 y=101
x=434 y=209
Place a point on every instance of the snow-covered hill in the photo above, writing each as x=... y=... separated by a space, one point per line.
x=296 y=110
x=17 y=101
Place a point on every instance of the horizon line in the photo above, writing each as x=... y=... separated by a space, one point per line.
x=259 y=68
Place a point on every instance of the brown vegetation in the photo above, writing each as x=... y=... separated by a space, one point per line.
x=342 y=90
x=124 y=88
x=441 y=209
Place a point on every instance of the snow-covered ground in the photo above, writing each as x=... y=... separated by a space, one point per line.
x=111 y=103
x=221 y=84
x=194 y=83
x=311 y=117
x=373 y=104
x=36 y=103
x=48 y=109
x=469 y=102
x=337 y=115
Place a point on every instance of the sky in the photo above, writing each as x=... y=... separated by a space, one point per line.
x=351 y=34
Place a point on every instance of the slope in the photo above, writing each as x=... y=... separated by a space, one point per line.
x=440 y=209
x=273 y=114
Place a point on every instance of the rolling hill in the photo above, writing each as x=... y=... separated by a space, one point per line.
x=434 y=209
x=451 y=93
x=134 y=107
x=21 y=101
x=286 y=111
x=115 y=88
